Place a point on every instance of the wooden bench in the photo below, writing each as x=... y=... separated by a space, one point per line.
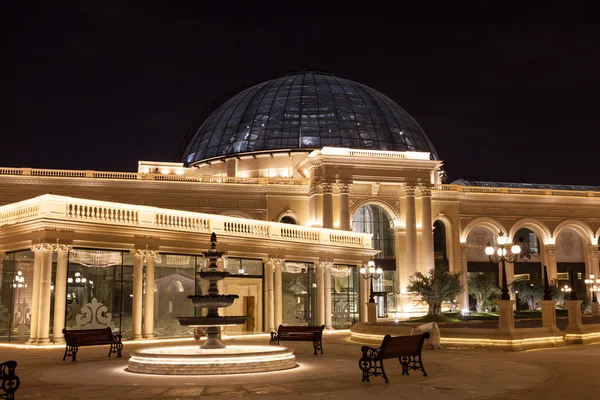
x=90 y=337
x=10 y=381
x=407 y=349
x=299 y=334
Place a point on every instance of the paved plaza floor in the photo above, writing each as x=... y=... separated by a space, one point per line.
x=564 y=373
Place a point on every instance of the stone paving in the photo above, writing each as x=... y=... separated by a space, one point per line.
x=562 y=373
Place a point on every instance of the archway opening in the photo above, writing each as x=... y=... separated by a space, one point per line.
x=371 y=218
x=440 y=250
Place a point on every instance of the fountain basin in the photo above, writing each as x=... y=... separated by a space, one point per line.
x=190 y=360
x=197 y=322
x=214 y=301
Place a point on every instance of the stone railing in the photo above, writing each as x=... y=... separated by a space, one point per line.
x=401 y=155
x=506 y=190
x=87 y=174
x=102 y=212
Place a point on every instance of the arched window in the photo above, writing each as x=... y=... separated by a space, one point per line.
x=439 y=245
x=288 y=220
x=373 y=219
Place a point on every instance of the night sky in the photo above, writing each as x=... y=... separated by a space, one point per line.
x=507 y=93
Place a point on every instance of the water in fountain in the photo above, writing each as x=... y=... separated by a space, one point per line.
x=213 y=357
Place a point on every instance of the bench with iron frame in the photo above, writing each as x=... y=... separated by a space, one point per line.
x=299 y=334
x=90 y=337
x=407 y=349
x=10 y=381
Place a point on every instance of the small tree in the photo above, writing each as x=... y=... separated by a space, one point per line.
x=527 y=292
x=436 y=287
x=484 y=289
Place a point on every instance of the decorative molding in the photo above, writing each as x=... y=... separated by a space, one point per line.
x=41 y=247
x=551 y=224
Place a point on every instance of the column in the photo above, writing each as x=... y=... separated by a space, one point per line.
x=136 y=331
x=593 y=259
x=318 y=204
x=320 y=296
x=464 y=277
x=269 y=300
x=327 y=292
x=149 y=297
x=426 y=230
x=43 y=336
x=344 y=188
x=327 y=188
x=35 y=291
x=278 y=292
x=550 y=250
x=60 y=293
x=411 y=231
x=312 y=218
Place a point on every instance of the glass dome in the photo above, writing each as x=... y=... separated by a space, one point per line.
x=305 y=110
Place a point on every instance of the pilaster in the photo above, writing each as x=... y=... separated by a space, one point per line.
x=138 y=282
x=269 y=298
x=464 y=277
x=426 y=229
x=327 y=189
x=278 y=291
x=149 y=296
x=344 y=188
x=411 y=230
x=327 y=292
x=60 y=291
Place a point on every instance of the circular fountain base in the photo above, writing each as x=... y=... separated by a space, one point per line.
x=190 y=360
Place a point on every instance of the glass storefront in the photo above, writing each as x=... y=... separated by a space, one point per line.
x=99 y=290
x=344 y=296
x=174 y=280
x=299 y=295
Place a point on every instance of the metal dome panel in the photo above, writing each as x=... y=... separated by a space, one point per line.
x=307 y=110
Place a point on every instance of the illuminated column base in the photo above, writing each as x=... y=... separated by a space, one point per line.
x=189 y=360
x=595 y=309
x=574 y=310
x=506 y=315
x=549 y=314
x=371 y=313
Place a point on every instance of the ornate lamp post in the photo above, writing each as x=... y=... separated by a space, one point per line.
x=566 y=289
x=503 y=254
x=373 y=273
x=593 y=285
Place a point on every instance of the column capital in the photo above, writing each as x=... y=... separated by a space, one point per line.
x=464 y=248
x=62 y=248
x=41 y=247
x=137 y=252
x=326 y=186
x=409 y=189
x=344 y=185
x=425 y=190
x=593 y=250
x=550 y=250
x=326 y=264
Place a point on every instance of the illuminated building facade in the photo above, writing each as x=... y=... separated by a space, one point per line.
x=304 y=178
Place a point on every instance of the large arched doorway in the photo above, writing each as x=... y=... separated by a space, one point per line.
x=371 y=218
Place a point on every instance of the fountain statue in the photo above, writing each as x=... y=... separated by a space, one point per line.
x=212 y=301
x=213 y=357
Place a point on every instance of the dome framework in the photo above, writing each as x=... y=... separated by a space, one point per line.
x=306 y=110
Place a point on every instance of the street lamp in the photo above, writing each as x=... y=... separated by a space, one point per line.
x=503 y=254
x=373 y=273
x=593 y=284
x=566 y=289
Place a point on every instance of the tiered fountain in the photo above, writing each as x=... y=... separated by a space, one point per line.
x=213 y=357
